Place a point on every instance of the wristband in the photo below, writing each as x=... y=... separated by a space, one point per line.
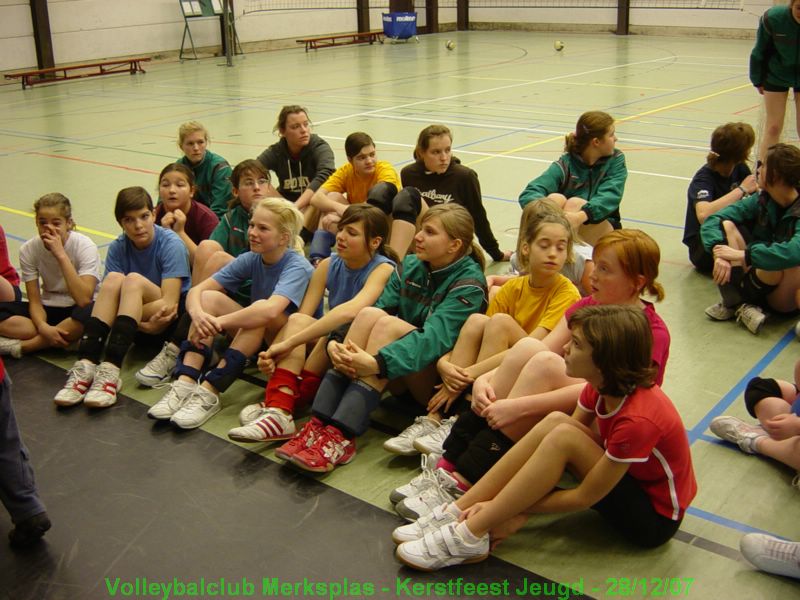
x=744 y=191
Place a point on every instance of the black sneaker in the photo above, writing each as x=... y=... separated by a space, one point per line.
x=29 y=531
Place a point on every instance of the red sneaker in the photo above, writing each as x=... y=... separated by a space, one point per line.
x=302 y=440
x=328 y=451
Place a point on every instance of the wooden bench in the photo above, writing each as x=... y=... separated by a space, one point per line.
x=342 y=39
x=52 y=74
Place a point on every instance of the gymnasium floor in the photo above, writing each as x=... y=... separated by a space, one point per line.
x=130 y=499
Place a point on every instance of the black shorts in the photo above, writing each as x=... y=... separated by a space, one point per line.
x=55 y=314
x=698 y=256
x=628 y=508
x=768 y=87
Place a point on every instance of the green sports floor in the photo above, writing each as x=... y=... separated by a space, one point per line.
x=132 y=500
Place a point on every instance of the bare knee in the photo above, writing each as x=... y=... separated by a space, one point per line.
x=475 y=323
x=112 y=282
x=545 y=364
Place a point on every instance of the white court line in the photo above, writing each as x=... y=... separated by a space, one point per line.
x=495 y=89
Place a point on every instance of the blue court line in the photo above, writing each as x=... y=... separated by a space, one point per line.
x=727 y=399
x=16 y=237
x=724 y=521
x=667 y=225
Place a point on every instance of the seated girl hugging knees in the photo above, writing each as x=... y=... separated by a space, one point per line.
x=776 y=405
x=415 y=321
x=228 y=240
x=60 y=268
x=279 y=276
x=295 y=362
x=178 y=211
x=624 y=441
x=529 y=305
x=756 y=245
x=363 y=178
x=531 y=381
x=147 y=274
x=588 y=180
x=724 y=180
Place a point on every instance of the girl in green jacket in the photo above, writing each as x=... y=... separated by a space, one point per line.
x=756 y=244
x=775 y=67
x=415 y=321
x=588 y=180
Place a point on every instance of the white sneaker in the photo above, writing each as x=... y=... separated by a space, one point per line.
x=421 y=482
x=252 y=413
x=201 y=405
x=79 y=380
x=160 y=368
x=432 y=442
x=443 y=491
x=105 y=386
x=442 y=548
x=720 y=312
x=736 y=431
x=10 y=347
x=772 y=554
x=171 y=402
x=273 y=426
x=404 y=443
x=751 y=316
x=438 y=517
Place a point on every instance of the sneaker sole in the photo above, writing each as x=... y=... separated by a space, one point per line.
x=146 y=381
x=399 y=452
x=67 y=402
x=246 y=440
x=326 y=469
x=468 y=561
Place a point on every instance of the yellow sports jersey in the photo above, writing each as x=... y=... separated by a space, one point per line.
x=534 y=307
x=345 y=181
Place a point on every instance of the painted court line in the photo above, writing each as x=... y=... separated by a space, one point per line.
x=24 y=213
x=697 y=431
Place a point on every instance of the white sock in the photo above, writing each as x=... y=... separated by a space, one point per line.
x=453 y=509
x=466 y=535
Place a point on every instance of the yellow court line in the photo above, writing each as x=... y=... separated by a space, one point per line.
x=622 y=120
x=24 y=213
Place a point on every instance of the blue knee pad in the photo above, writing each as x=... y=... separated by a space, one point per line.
x=223 y=377
x=407 y=205
x=182 y=369
x=329 y=394
x=321 y=244
x=358 y=402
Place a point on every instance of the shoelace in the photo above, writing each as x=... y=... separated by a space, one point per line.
x=413 y=430
x=781 y=550
x=104 y=375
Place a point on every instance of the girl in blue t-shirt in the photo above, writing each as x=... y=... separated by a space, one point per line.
x=279 y=276
x=147 y=274
x=354 y=278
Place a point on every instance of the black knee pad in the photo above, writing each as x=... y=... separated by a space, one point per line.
x=755 y=291
x=223 y=377
x=381 y=194
x=120 y=339
x=482 y=454
x=406 y=205
x=758 y=389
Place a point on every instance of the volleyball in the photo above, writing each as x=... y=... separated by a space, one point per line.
x=558 y=45
x=450 y=44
